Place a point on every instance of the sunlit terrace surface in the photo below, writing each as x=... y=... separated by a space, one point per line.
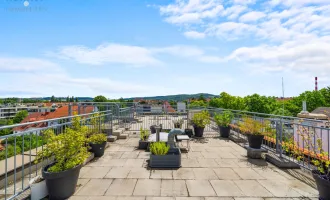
x=213 y=169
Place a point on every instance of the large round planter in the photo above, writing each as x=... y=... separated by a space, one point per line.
x=61 y=185
x=98 y=149
x=224 y=131
x=323 y=186
x=198 y=131
x=255 y=141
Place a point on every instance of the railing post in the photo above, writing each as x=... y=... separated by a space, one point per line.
x=279 y=131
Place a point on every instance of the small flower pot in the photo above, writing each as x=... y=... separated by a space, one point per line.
x=61 y=185
x=224 y=131
x=198 y=131
x=98 y=149
x=153 y=129
x=188 y=132
x=255 y=141
x=323 y=185
x=38 y=190
x=143 y=144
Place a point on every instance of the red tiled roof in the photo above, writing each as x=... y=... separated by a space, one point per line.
x=59 y=112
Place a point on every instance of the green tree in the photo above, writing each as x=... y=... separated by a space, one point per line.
x=76 y=99
x=201 y=98
x=100 y=98
x=20 y=116
x=314 y=99
x=326 y=94
x=67 y=99
x=261 y=104
x=52 y=99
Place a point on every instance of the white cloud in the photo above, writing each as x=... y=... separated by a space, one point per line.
x=194 y=35
x=27 y=65
x=252 y=16
x=108 y=53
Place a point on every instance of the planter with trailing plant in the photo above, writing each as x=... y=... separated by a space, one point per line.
x=153 y=129
x=223 y=121
x=255 y=131
x=178 y=123
x=163 y=157
x=143 y=142
x=69 y=152
x=97 y=142
x=199 y=121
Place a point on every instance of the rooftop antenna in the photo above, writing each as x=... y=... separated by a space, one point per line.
x=283 y=95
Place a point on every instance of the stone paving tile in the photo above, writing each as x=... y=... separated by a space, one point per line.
x=184 y=173
x=210 y=155
x=227 y=162
x=189 y=198
x=144 y=155
x=118 y=172
x=139 y=173
x=248 y=173
x=226 y=188
x=226 y=174
x=121 y=187
x=130 y=198
x=201 y=188
x=226 y=155
x=252 y=188
x=189 y=163
x=84 y=170
x=160 y=198
x=244 y=198
x=126 y=148
x=147 y=187
x=173 y=188
x=134 y=163
x=279 y=189
x=113 y=162
x=79 y=198
x=197 y=148
x=95 y=187
x=81 y=182
x=204 y=174
x=196 y=154
x=161 y=174
x=113 y=154
x=219 y=198
x=112 y=147
x=269 y=173
x=96 y=172
x=207 y=162
x=301 y=187
x=133 y=154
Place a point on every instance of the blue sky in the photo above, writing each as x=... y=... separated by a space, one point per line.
x=125 y=48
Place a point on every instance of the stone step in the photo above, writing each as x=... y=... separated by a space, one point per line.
x=123 y=136
x=112 y=138
x=117 y=132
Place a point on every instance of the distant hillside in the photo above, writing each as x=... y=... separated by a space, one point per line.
x=64 y=98
x=177 y=97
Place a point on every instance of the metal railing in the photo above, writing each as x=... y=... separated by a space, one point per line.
x=17 y=159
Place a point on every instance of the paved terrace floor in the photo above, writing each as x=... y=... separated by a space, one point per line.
x=214 y=169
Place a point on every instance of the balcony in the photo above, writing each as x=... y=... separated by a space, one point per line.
x=213 y=169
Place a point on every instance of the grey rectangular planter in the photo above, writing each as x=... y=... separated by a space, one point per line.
x=171 y=160
x=143 y=144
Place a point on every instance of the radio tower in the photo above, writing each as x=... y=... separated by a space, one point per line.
x=315 y=83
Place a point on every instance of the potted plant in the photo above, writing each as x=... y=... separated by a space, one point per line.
x=223 y=120
x=255 y=131
x=69 y=152
x=144 y=135
x=200 y=120
x=97 y=142
x=178 y=123
x=163 y=157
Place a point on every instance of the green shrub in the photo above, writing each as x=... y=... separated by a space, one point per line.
x=97 y=138
x=68 y=149
x=201 y=119
x=224 y=119
x=144 y=134
x=159 y=148
x=10 y=152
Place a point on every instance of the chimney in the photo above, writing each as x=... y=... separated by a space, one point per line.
x=316 y=84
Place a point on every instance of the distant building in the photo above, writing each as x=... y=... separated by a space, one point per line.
x=58 y=113
x=181 y=107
